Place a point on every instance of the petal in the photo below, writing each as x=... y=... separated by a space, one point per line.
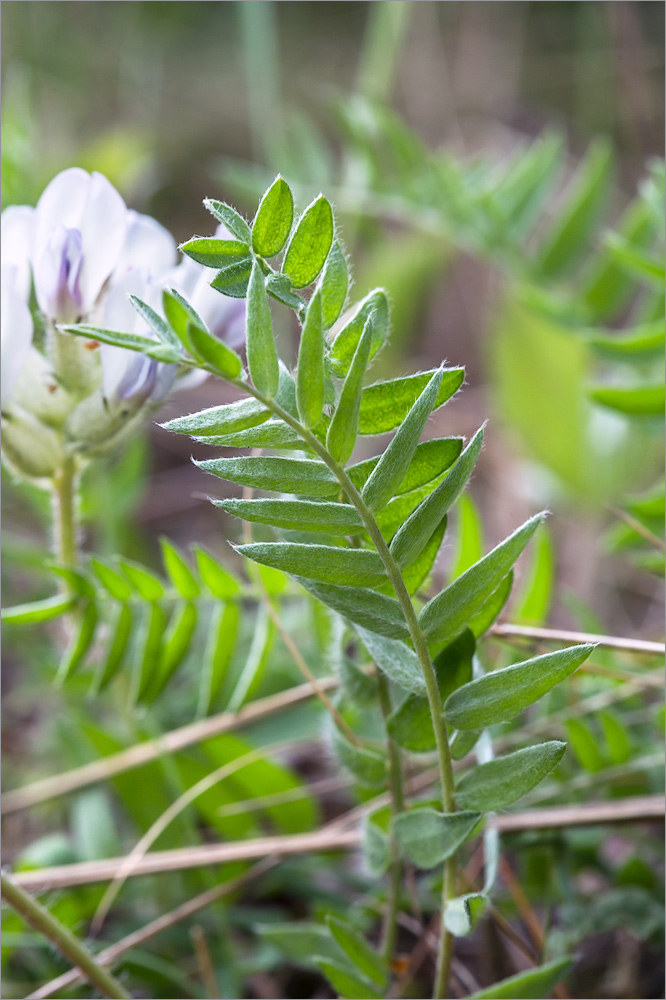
x=148 y=245
x=15 y=334
x=103 y=225
x=61 y=203
x=118 y=313
x=17 y=227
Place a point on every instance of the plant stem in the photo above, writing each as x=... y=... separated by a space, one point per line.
x=397 y=806
x=44 y=922
x=421 y=648
x=64 y=512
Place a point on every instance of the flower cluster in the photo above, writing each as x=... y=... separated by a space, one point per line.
x=74 y=258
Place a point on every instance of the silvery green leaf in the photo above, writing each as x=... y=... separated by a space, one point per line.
x=376 y=844
x=392 y=467
x=310 y=244
x=230 y=218
x=362 y=956
x=431 y=459
x=131 y=341
x=227 y=419
x=501 y=694
x=334 y=285
x=394 y=515
x=279 y=286
x=373 y=309
x=272 y=434
x=397 y=661
x=233 y=280
x=500 y=782
x=463 y=742
x=283 y=475
x=448 y=612
x=418 y=572
x=204 y=347
x=262 y=356
x=159 y=327
x=326 y=563
x=531 y=985
x=410 y=724
x=367 y=766
x=428 y=837
x=363 y=606
x=212 y=252
x=272 y=223
x=463 y=913
x=386 y=404
x=310 y=372
x=415 y=532
x=297 y=515
x=483 y=619
x=343 y=428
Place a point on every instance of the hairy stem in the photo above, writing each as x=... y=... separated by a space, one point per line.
x=397 y=806
x=39 y=917
x=64 y=512
x=445 y=764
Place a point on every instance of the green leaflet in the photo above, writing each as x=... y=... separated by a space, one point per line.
x=428 y=837
x=233 y=280
x=161 y=329
x=204 y=347
x=376 y=844
x=326 y=563
x=302 y=941
x=230 y=218
x=533 y=603
x=394 y=515
x=343 y=428
x=121 y=630
x=310 y=372
x=255 y=665
x=504 y=693
x=228 y=419
x=463 y=742
x=364 y=607
x=38 y=611
x=362 y=956
x=212 y=252
x=310 y=244
x=221 y=583
x=468 y=544
x=222 y=635
x=641 y=400
x=392 y=467
x=373 y=309
x=532 y=985
x=285 y=475
x=415 y=532
x=179 y=572
x=617 y=737
x=500 y=782
x=145 y=583
x=448 y=612
x=272 y=223
x=629 y=344
x=431 y=459
x=410 y=724
x=179 y=313
x=131 y=341
x=271 y=434
x=585 y=744
x=483 y=619
x=416 y=575
x=262 y=359
x=334 y=285
x=111 y=580
x=152 y=630
x=576 y=220
x=386 y=404
x=79 y=643
x=297 y=515
x=345 y=983
x=636 y=260
x=367 y=766
x=279 y=286
x=397 y=661
x=175 y=648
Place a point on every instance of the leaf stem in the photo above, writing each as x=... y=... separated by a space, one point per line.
x=445 y=763
x=397 y=806
x=39 y=917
